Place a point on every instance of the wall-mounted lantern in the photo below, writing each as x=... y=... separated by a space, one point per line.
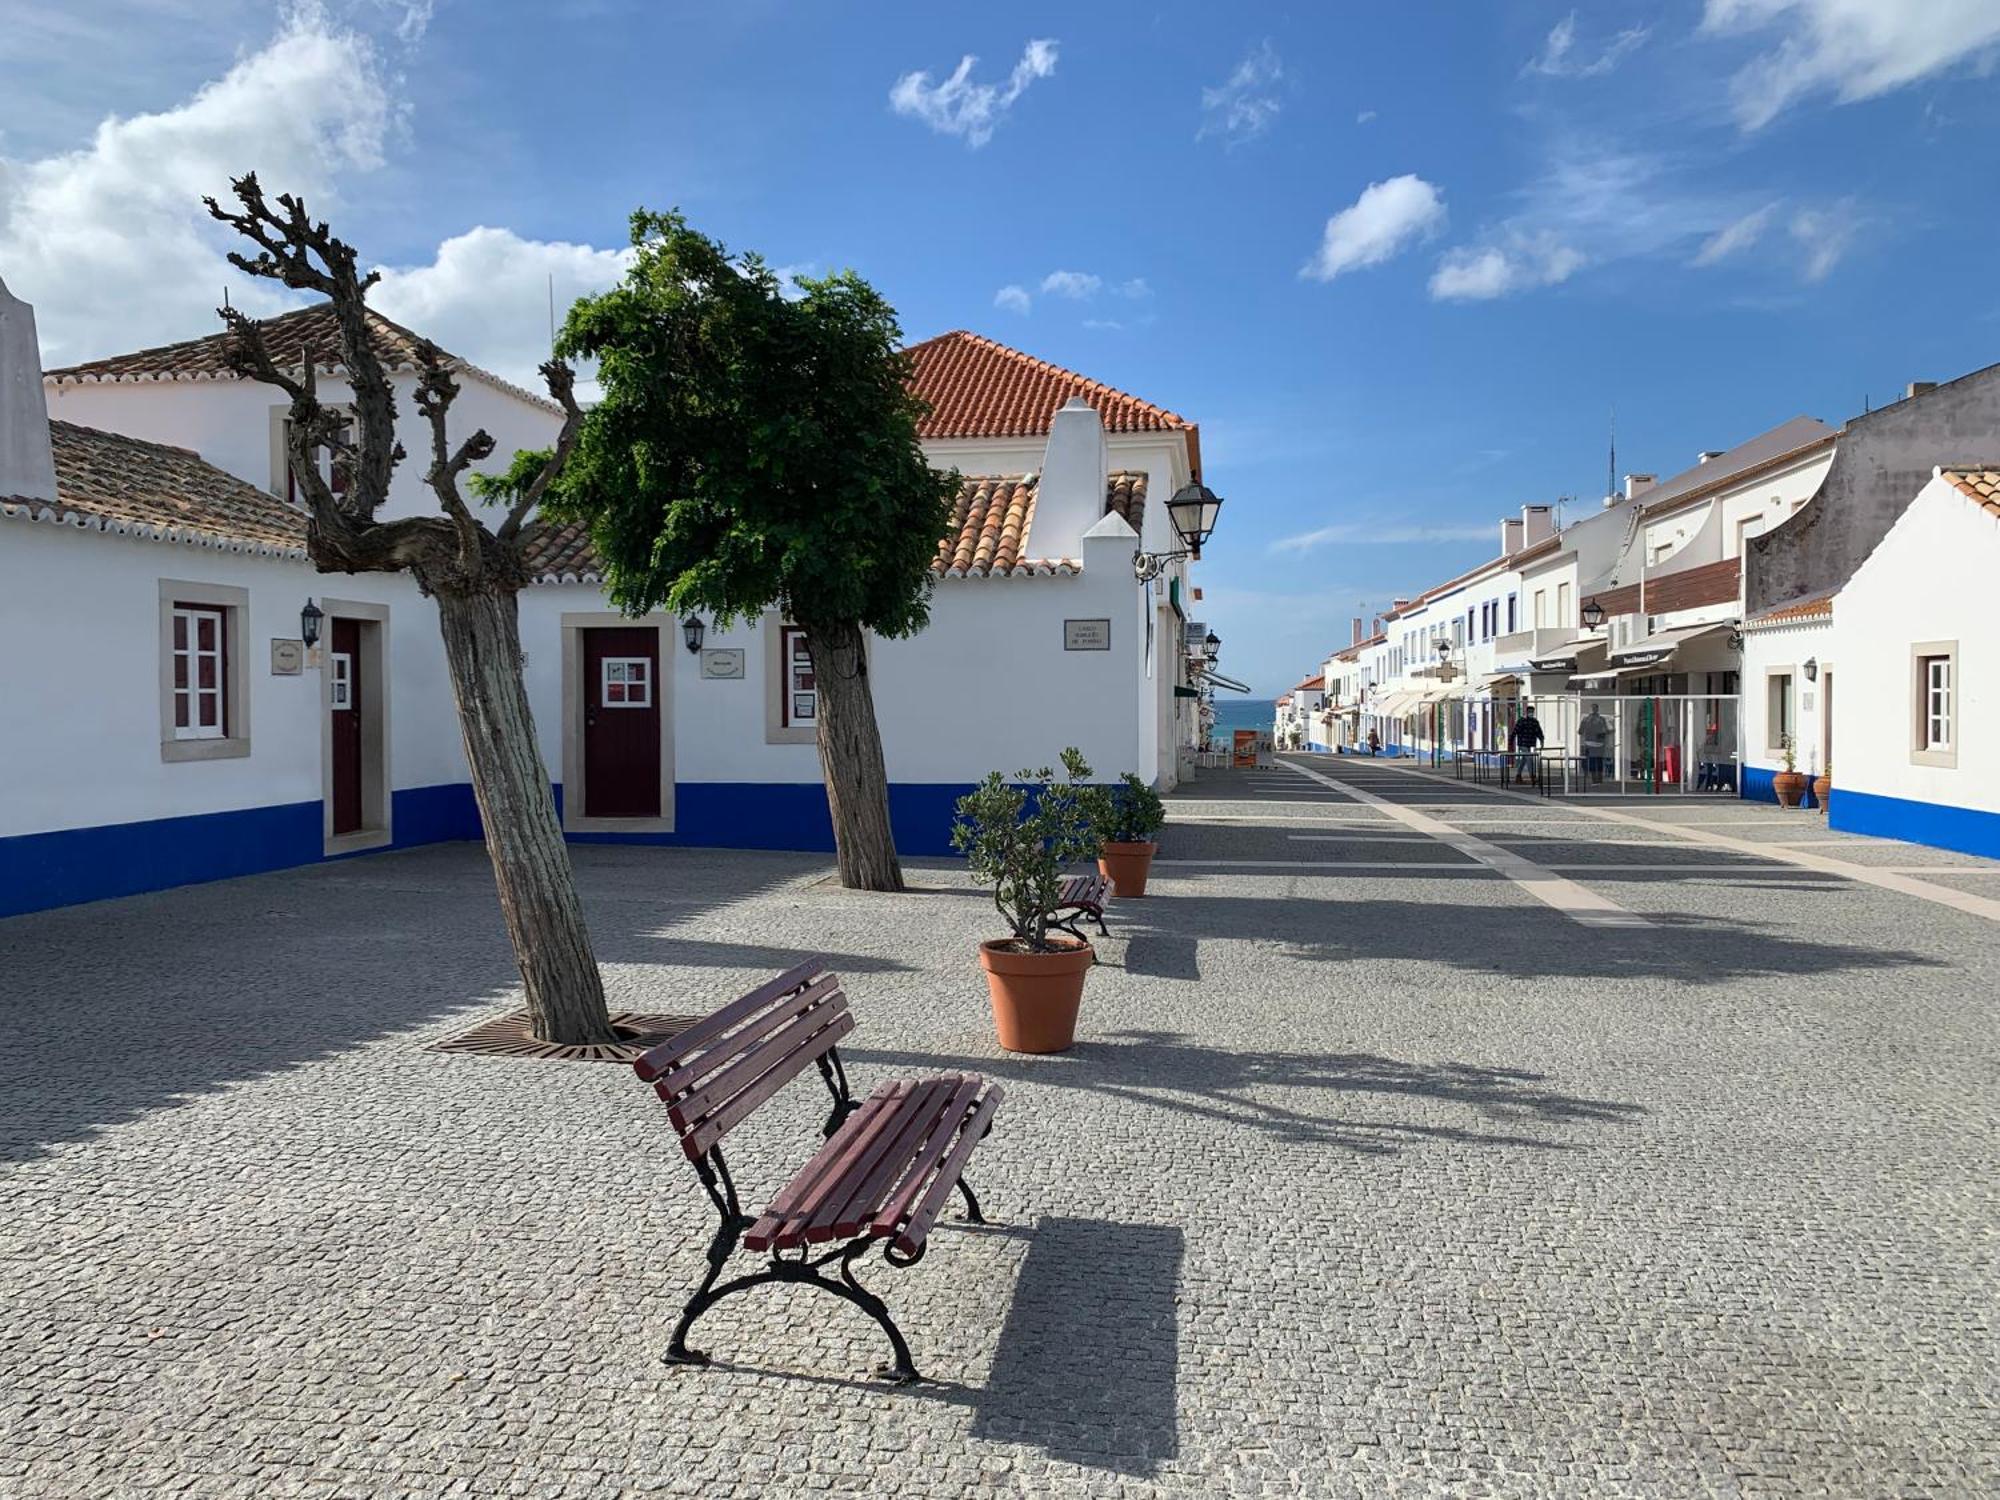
x=1812 y=669
x=692 y=631
x=309 y=619
x=1193 y=511
x=1592 y=615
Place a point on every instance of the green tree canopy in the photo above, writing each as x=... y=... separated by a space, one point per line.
x=752 y=449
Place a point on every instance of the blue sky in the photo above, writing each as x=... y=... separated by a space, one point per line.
x=1401 y=261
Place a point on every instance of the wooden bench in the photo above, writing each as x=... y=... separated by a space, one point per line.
x=886 y=1167
x=1082 y=896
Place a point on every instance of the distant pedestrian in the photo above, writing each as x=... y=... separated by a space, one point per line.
x=1525 y=740
x=1594 y=735
x=1374 y=743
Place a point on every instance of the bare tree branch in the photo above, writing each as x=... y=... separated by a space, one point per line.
x=436 y=390
x=562 y=389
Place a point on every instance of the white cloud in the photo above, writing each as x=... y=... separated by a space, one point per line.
x=1135 y=289
x=1560 y=58
x=1104 y=325
x=1737 y=236
x=1364 y=117
x=1479 y=273
x=1386 y=218
x=1013 y=299
x=486 y=295
x=1078 y=286
x=1384 y=533
x=958 y=106
x=1852 y=49
x=1243 y=106
x=1825 y=235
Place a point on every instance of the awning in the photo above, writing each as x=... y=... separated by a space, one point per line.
x=1581 y=652
x=1665 y=642
x=1615 y=674
x=1186 y=692
x=1396 y=704
x=1227 y=684
x=1494 y=679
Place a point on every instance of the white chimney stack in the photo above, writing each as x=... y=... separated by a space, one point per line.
x=27 y=468
x=1637 y=485
x=1510 y=535
x=1069 y=499
x=1708 y=455
x=1538 y=524
x=1358 y=637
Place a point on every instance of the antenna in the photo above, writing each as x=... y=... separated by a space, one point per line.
x=1611 y=469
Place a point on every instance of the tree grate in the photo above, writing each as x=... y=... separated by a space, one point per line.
x=509 y=1036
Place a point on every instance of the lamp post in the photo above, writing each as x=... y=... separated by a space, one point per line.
x=1193 y=511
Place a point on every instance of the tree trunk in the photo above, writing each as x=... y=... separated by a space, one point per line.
x=850 y=757
x=482 y=644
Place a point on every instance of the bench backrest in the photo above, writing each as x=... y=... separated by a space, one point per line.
x=715 y=1075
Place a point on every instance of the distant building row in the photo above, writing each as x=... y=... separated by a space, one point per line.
x=1690 y=635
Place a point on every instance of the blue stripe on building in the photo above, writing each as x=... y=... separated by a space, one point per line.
x=1966 y=829
x=63 y=868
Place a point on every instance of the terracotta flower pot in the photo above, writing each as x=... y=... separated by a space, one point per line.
x=1036 y=995
x=1790 y=787
x=1126 y=866
x=1822 y=789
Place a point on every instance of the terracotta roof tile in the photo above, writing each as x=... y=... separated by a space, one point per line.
x=559 y=553
x=110 y=482
x=289 y=336
x=979 y=389
x=1128 y=498
x=1798 y=609
x=1981 y=486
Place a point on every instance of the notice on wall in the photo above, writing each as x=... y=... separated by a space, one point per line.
x=1086 y=635
x=723 y=663
x=288 y=658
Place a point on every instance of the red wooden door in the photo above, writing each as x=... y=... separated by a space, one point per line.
x=346 y=700
x=621 y=722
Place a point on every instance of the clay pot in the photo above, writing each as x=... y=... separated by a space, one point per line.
x=1790 y=787
x=1036 y=995
x=1822 y=789
x=1126 y=866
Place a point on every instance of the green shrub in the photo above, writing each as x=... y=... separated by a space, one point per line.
x=1129 y=812
x=1021 y=837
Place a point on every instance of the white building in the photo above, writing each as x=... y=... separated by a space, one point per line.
x=153 y=574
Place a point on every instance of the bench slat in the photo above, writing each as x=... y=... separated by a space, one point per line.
x=808 y=1036
x=721 y=1052
x=662 y=1059
x=937 y=1141
x=849 y=1202
x=776 y=1228
x=926 y=1211
x=753 y=1095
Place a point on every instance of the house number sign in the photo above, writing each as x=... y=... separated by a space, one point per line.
x=722 y=663
x=1086 y=635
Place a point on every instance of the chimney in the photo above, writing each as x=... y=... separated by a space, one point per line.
x=27 y=468
x=1510 y=536
x=1919 y=388
x=1708 y=453
x=1397 y=606
x=1378 y=627
x=1538 y=524
x=1069 y=499
x=1358 y=637
x=1637 y=485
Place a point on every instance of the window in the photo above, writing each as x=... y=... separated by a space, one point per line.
x=1934 y=675
x=1541 y=608
x=1562 y=604
x=1512 y=623
x=340 y=691
x=204 y=677
x=626 y=682
x=800 y=707
x=200 y=667
x=1779 y=725
x=286 y=482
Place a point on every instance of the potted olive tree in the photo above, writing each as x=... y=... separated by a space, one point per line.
x=1789 y=785
x=1020 y=837
x=1823 y=786
x=1127 y=816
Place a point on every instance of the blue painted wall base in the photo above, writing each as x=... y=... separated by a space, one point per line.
x=1754 y=784
x=1965 y=829
x=39 y=871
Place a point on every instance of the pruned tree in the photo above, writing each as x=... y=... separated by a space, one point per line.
x=757 y=451
x=473 y=572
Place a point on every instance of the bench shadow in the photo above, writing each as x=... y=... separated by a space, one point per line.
x=1087 y=1364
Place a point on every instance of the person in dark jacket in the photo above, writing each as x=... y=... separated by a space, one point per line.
x=1525 y=740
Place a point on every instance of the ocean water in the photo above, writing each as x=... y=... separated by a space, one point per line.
x=1233 y=712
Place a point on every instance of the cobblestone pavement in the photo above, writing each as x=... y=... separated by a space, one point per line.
x=1372 y=1175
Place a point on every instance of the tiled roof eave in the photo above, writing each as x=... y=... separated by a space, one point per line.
x=59 y=514
x=1051 y=567
x=335 y=371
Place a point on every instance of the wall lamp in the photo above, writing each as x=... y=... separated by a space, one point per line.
x=309 y=619
x=692 y=631
x=1193 y=511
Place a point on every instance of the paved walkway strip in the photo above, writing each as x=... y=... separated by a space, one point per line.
x=1558 y=892
x=1875 y=875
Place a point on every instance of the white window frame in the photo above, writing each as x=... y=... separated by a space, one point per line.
x=1934 y=694
x=618 y=670
x=340 y=686
x=188 y=620
x=185 y=600
x=1778 y=725
x=283 y=484
x=789 y=691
